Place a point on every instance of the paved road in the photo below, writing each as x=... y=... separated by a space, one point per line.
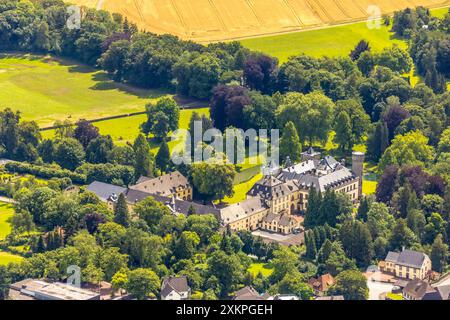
x=376 y=288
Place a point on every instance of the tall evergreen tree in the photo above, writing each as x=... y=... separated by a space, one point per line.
x=378 y=141
x=121 y=214
x=143 y=158
x=313 y=209
x=363 y=209
x=310 y=242
x=343 y=129
x=290 y=143
x=357 y=242
x=162 y=158
x=439 y=253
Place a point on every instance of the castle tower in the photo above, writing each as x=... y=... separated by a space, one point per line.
x=358 y=168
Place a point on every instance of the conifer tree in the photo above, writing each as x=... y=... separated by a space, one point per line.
x=290 y=143
x=121 y=214
x=143 y=158
x=439 y=252
x=343 y=131
x=311 y=250
x=163 y=156
x=363 y=209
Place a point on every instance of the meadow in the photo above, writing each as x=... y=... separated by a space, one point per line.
x=329 y=41
x=6 y=213
x=45 y=89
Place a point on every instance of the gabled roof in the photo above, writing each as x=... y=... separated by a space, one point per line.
x=242 y=210
x=409 y=258
x=164 y=185
x=444 y=292
x=322 y=283
x=177 y=284
x=331 y=298
x=105 y=190
x=420 y=289
x=269 y=188
x=247 y=293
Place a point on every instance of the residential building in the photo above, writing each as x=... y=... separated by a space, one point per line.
x=322 y=283
x=168 y=185
x=418 y=289
x=175 y=288
x=244 y=215
x=249 y=293
x=408 y=264
x=330 y=298
x=31 y=289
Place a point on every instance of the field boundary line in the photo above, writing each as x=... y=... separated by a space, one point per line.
x=289 y=6
x=217 y=13
x=341 y=7
x=250 y=5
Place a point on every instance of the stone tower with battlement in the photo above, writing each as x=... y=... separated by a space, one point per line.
x=358 y=168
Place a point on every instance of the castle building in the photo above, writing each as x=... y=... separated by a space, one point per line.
x=168 y=185
x=272 y=204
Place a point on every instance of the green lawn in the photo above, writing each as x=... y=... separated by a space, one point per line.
x=46 y=89
x=330 y=41
x=439 y=13
x=258 y=267
x=6 y=212
x=6 y=258
x=394 y=296
x=369 y=187
x=125 y=130
x=240 y=190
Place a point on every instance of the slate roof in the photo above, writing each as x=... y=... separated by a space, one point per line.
x=164 y=185
x=269 y=188
x=104 y=190
x=247 y=293
x=312 y=174
x=282 y=220
x=408 y=258
x=444 y=292
x=177 y=284
x=330 y=298
x=420 y=289
x=242 y=210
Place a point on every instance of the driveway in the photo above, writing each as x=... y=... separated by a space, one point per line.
x=376 y=288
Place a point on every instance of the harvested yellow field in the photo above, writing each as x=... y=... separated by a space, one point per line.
x=215 y=20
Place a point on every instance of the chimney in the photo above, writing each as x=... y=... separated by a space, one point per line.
x=357 y=168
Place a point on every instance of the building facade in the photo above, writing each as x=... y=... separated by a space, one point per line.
x=407 y=264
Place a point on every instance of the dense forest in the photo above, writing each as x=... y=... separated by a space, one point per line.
x=366 y=99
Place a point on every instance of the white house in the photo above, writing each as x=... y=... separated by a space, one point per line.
x=175 y=288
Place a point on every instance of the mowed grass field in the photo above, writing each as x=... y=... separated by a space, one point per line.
x=125 y=130
x=330 y=41
x=46 y=89
x=6 y=213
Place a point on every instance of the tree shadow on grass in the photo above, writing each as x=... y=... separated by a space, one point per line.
x=104 y=82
